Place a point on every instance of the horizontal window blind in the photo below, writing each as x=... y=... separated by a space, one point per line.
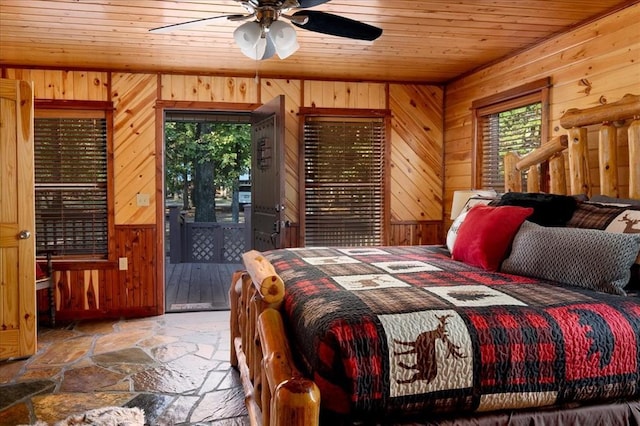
x=71 y=185
x=343 y=176
x=518 y=129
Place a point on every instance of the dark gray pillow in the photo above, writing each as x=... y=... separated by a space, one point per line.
x=588 y=258
x=612 y=200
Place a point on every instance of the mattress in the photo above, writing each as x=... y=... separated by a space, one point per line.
x=408 y=331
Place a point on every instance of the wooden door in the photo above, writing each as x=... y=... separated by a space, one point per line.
x=267 y=175
x=17 y=221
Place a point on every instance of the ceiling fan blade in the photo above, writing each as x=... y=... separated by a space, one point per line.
x=196 y=23
x=311 y=3
x=327 y=23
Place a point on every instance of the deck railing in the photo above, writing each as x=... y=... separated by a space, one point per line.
x=207 y=242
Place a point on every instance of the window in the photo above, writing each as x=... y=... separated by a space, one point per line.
x=513 y=121
x=344 y=180
x=71 y=175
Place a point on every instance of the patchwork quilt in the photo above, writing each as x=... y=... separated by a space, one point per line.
x=384 y=330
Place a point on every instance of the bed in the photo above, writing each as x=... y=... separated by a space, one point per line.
x=532 y=318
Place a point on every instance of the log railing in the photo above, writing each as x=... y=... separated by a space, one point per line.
x=576 y=144
x=514 y=164
x=276 y=393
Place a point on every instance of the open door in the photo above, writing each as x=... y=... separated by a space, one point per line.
x=267 y=175
x=17 y=221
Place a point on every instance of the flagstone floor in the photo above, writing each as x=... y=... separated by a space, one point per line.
x=175 y=367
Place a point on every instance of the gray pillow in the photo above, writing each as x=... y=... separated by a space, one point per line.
x=606 y=199
x=588 y=258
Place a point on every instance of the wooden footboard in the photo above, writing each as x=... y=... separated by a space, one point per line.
x=276 y=393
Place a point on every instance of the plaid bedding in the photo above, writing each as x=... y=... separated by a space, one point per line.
x=388 y=330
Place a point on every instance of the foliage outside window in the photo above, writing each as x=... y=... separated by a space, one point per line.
x=206 y=151
x=514 y=121
x=71 y=183
x=344 y=180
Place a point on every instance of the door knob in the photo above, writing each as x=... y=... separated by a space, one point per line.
x=24 y=234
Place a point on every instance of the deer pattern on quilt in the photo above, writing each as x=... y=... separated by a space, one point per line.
x=425 y=349
x=630 y=225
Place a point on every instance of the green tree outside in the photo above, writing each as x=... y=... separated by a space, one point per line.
x=203 y=156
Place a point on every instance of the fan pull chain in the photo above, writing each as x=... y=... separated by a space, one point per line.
x=257 y=77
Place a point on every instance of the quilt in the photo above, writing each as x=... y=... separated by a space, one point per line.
x=389 y=330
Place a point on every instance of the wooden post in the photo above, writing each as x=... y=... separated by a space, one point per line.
x=579 y=161
x=295 y=401
x=557 y=174
x=257 y=306
x=175 y=235
x=608 y=159
x=266 y=397
x=244 y=316
x=239 y=321
x=512 y=177
x=234 y=294
x=634 y=158
x=533 y=179
x=270 y=285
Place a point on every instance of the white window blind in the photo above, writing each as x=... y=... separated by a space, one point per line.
x=344 y=181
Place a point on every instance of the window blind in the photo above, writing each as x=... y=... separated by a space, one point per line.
x=344 y=181
x=517 y=129
x=71 y=185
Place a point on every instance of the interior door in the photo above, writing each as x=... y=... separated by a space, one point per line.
x=267 y=175
x=17 y=221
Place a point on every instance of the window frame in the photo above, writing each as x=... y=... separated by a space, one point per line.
x=526 y=94
x=345 y=113
x=88 y=109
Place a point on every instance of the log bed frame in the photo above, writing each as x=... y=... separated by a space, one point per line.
x=277 y=393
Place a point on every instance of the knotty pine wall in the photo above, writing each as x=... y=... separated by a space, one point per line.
x=99 y=289
x=591 y=65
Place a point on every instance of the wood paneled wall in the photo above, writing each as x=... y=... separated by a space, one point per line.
x=593 y=64
x=411 y=233
x=65 y=85
x=209 y=89
x=416 y=152
x=99 y=290
x=339 y=94
x=134 y=152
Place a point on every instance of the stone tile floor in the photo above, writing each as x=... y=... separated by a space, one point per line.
x=175 y=367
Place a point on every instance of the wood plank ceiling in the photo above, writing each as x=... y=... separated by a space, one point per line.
x=430 y=41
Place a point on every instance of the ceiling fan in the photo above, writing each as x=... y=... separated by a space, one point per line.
x=266 y=35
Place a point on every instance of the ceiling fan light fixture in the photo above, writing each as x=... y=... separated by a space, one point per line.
x=263 y=49
x=269 y=49
x=266 y=35
x=248 y=35
x=284 y=39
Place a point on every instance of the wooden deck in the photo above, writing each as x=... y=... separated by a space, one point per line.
x=198 y=286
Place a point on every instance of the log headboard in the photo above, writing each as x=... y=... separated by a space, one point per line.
x=547 y=166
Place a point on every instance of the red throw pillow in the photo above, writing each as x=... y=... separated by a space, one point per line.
x=486 y=234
